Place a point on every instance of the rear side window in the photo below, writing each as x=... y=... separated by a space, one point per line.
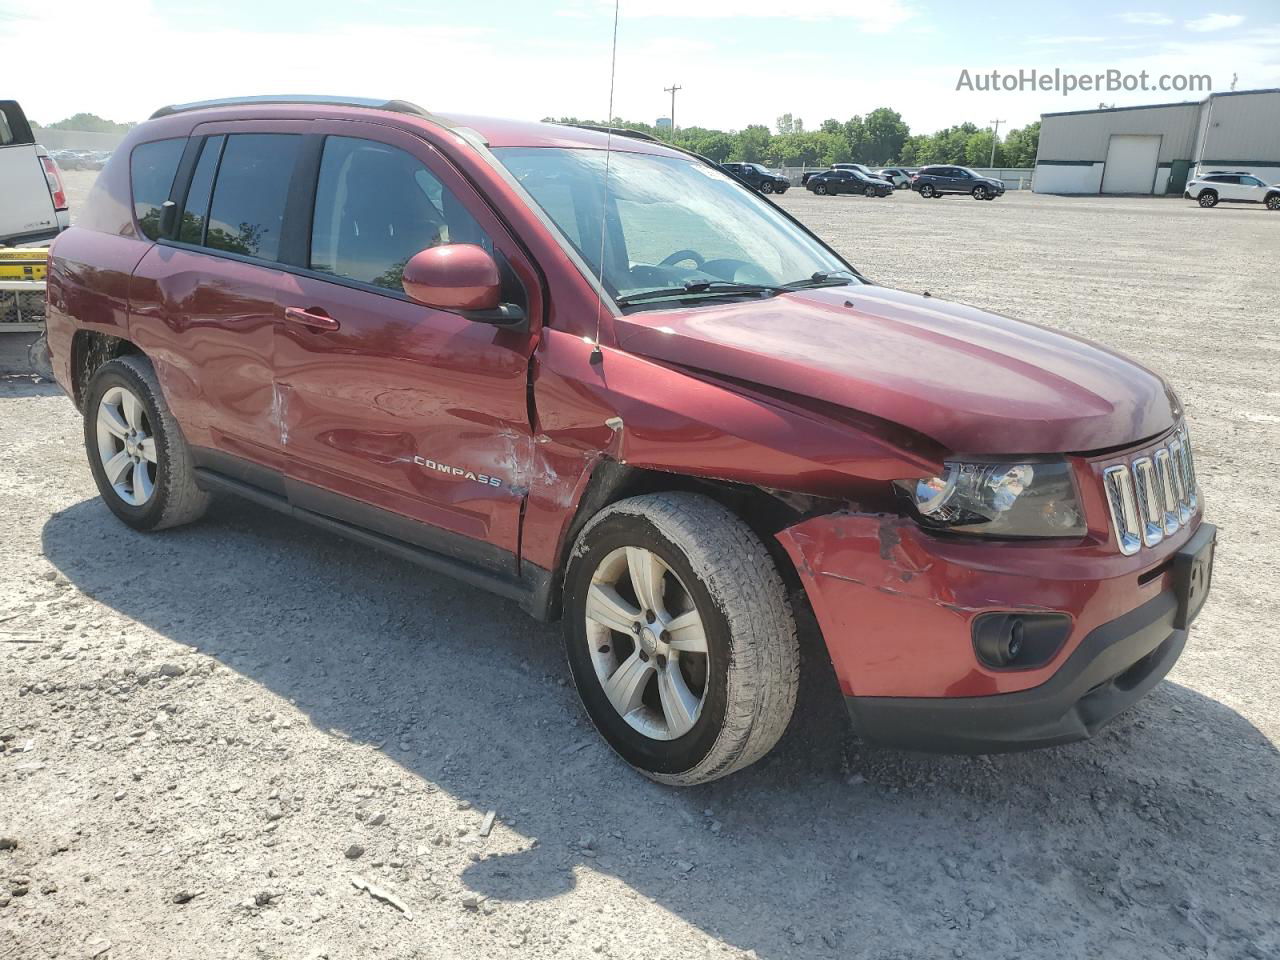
x=14 y=128
x=151 y=169
x=196 y=214
x=246 y=215
x=376 y=206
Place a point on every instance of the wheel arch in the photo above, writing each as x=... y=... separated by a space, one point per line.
x=90 y=349
x=766 y=512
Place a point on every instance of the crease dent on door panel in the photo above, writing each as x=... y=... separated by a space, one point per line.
x=280 y=410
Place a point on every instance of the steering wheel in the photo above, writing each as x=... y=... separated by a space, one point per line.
x=697 y=258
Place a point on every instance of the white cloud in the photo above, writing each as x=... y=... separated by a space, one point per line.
x=1145 y=19
x=1215 y=21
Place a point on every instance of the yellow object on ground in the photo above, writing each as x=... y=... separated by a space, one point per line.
x=23 y=263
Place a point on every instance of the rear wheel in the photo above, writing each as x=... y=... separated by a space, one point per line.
x=138 y=456
x=1208 y=198
x=820 y=189
x=680 y=637
x=927 y=190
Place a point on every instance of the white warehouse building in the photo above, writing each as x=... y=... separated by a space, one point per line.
x=1156 y=149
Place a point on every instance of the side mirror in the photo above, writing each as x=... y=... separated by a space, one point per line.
x=461 y=278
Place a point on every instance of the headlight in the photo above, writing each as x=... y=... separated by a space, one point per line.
x=998 y=499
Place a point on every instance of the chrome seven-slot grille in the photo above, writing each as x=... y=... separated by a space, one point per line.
x=1154 y=495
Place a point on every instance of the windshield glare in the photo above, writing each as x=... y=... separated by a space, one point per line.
x=668 y=221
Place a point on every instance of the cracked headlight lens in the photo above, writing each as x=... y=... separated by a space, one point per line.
x=998 y=499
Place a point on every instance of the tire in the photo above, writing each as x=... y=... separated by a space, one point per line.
x=1273 y=201
x=154 y=486
x=980 y=192
x=717 y=579
x=927 y=191
x=820 y=189
x=766 y=187
x=1208 y=198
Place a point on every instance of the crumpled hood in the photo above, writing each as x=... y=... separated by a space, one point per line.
x=975 y=382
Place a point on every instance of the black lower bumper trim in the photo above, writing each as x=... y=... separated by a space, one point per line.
x=1114 y=667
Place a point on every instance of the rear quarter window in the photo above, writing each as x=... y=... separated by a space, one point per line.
x=152 y=167
x=14 y=128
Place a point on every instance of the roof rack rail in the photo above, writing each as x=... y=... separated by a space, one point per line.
x=617 y=131
x=395 y=106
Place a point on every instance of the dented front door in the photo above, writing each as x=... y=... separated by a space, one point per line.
x=406 y=420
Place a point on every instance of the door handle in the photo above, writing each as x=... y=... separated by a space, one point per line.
x=315 y=318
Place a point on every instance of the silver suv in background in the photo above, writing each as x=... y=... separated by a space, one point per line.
x=1235 y=186
x=35 y=202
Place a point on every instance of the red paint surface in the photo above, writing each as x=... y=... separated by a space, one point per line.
x=829 y=392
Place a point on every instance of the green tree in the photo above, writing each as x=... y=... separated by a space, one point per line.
x=90 y=123
x=885 y=134
x=752 y=144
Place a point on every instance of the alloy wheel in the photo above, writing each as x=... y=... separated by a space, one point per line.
x=127 y=446
x=648 y=644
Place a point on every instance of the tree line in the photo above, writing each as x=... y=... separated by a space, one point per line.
x=880 y=138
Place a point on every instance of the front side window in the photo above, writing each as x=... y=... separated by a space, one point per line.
x=152 y=167
x=246 y=215
x=376 y=206
x=668 y=222
x=1252 y=182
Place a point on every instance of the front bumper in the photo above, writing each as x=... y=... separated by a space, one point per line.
x=1112 y=669
x=898 y=609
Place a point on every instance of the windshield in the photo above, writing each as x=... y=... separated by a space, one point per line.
x=670 y=224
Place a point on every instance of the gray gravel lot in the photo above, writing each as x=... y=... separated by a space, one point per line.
x=224 y=714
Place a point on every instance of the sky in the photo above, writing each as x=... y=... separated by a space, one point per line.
x=738 y=61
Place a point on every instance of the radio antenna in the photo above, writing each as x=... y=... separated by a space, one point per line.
x=597 y=356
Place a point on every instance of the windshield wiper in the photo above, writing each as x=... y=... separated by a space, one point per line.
x=701 y=288
x=821 y=279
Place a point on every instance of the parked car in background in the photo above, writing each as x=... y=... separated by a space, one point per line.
x=33 y=202
x=833 y=182
x=409 y=330
x=758 y=177
x=939 y=179
x=898 y=176
x=1241 y=187
x=810 y=174
x=861 y=168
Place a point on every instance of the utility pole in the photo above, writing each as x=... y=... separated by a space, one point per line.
x=672 y=90
x=995 y=138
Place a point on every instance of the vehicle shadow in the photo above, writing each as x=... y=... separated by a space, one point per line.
x=1157 y=838
x=27 y=385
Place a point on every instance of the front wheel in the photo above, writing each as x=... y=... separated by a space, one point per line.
x=1208 y=199
x=927 y=191
x=980 y=192
x=766 y=187
x=137 y=454
x=680 y=637
x=1273 y=202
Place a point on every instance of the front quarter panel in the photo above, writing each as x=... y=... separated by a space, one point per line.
x=645 y=414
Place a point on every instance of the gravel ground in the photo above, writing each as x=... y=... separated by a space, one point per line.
x=247 y=739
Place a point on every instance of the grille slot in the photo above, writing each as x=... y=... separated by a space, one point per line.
x=1154 y=495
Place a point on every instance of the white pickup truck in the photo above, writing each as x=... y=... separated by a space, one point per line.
x=33 y=202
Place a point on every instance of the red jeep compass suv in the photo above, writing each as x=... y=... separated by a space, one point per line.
x=601 y=377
